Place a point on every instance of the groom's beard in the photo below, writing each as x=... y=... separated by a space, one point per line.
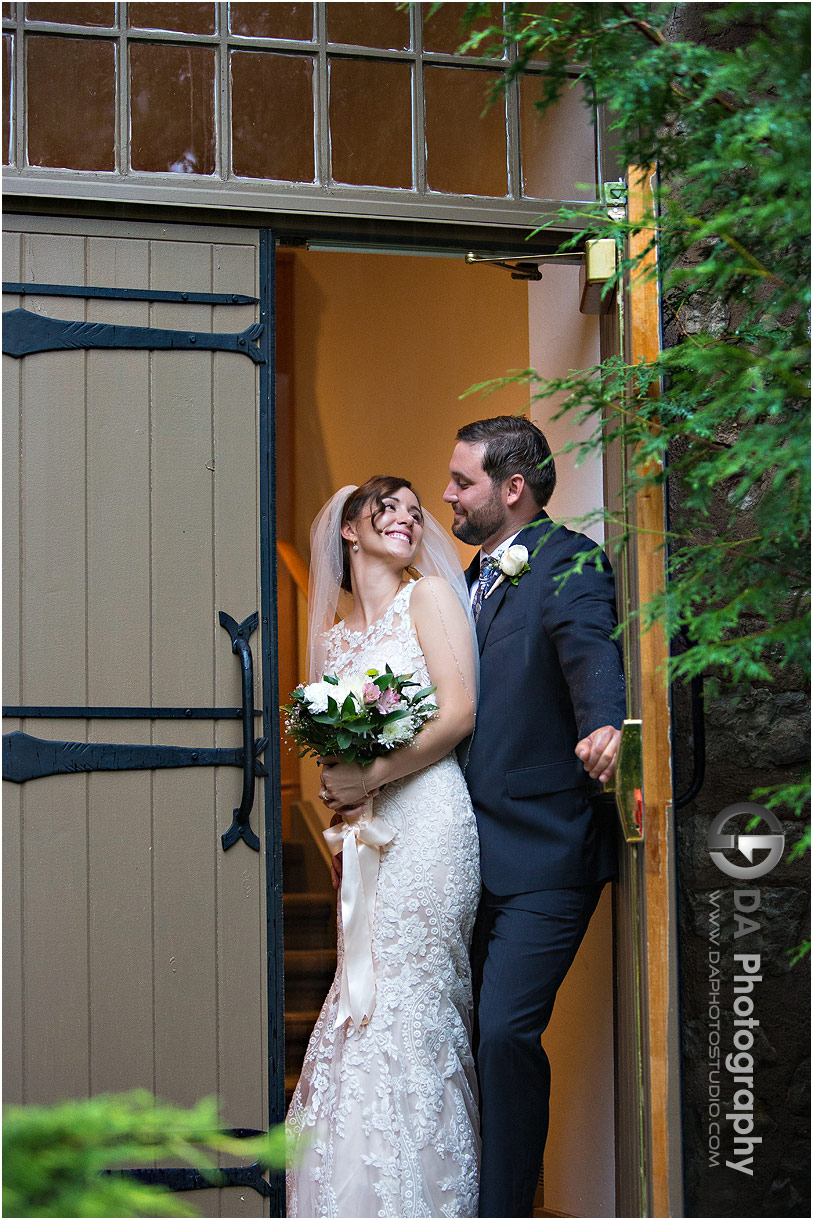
x=482 y=522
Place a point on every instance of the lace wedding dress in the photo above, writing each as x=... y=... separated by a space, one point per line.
x=385 y=1116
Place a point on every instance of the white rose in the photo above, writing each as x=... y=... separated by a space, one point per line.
x=316 y=695
x=513 y=560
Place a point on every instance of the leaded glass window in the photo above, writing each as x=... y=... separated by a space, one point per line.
x=311 y=107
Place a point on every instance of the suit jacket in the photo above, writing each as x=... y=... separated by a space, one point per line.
x=549 y=675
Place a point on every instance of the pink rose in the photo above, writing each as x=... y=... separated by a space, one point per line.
x=370 y=692
x=388 y=701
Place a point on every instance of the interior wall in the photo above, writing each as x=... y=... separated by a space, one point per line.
x=384 y=347
x=562 y=340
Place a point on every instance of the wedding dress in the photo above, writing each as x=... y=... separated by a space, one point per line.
x=385 y=1116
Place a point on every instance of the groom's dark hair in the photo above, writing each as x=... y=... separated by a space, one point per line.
x=513 y=445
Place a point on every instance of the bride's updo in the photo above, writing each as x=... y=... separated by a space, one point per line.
x=377 y=489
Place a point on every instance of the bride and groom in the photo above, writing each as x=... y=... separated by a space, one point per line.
x=486 y=883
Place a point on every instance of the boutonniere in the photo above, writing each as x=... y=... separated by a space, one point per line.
x=513 y=563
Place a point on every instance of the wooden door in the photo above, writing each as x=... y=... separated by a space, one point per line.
x=138 y=481
x=648 y=1152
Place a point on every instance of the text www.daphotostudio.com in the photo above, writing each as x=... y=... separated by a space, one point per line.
x=731 y=1031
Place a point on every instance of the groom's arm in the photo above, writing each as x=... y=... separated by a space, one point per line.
x=580 y=618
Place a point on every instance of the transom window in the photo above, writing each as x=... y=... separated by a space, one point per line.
x=306 y=106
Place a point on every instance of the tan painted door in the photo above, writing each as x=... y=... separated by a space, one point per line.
x=648 y=1153
x=137 y=507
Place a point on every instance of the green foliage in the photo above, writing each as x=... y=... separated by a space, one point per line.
x=54 y=1157
x=723 y=413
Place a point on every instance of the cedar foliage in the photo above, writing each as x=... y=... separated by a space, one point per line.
x=723 y=413
x=56 y=1158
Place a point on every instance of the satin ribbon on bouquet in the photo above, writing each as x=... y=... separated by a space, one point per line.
x=360 y=839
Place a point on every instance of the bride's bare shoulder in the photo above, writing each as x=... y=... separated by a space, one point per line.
x=433 y=594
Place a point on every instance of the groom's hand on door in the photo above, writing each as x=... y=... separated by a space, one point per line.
x=599 y=752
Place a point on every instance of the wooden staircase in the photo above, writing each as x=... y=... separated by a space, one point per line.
x=309 y=914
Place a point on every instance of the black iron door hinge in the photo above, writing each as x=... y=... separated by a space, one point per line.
x=27 y=758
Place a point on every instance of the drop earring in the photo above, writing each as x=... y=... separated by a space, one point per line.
x=355 y=546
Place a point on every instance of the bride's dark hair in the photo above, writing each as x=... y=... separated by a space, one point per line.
x=377 y=489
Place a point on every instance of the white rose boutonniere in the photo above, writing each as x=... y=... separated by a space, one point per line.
x=513 y=563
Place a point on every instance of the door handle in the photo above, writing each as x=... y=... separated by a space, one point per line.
x=240 y=633
x=628 y=783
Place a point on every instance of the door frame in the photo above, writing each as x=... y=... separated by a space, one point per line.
x=650 y=1166
x=659 y=868
x=272 y=788
x=648 y=1177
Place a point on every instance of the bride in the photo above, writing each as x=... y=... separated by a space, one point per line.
x=384 y=1118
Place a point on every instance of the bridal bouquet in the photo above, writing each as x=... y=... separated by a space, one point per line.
x=358 y=718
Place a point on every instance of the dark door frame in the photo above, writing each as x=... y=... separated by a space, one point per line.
x=270 y=700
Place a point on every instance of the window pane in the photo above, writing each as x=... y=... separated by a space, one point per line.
x=371 y=123
x=444 y=32
x=466 y=152
x=294 y=21
x=368 y=25
x=73 y=14
x=8 y=59
x=71 y=102
x=272 y=115
x=180 y=18
x=546 y=173
x=172 y=122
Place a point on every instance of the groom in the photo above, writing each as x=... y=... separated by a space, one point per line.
x=550 y=710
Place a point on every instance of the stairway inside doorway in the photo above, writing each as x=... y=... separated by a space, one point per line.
x=309 y=912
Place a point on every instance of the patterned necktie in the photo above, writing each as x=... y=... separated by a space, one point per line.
x=489 y=571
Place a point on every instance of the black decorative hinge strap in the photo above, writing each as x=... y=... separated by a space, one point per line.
x=90 y=292
x=192 y=1179
x=26 y=757
x=25 y=333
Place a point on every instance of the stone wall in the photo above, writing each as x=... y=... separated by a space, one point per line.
x=754 y=738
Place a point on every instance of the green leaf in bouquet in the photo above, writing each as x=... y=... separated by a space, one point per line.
x=349 y=706
x=331 y=679
x=344 y=739
x=422 y=694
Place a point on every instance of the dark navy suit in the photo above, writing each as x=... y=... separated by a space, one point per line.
x=549 y=675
